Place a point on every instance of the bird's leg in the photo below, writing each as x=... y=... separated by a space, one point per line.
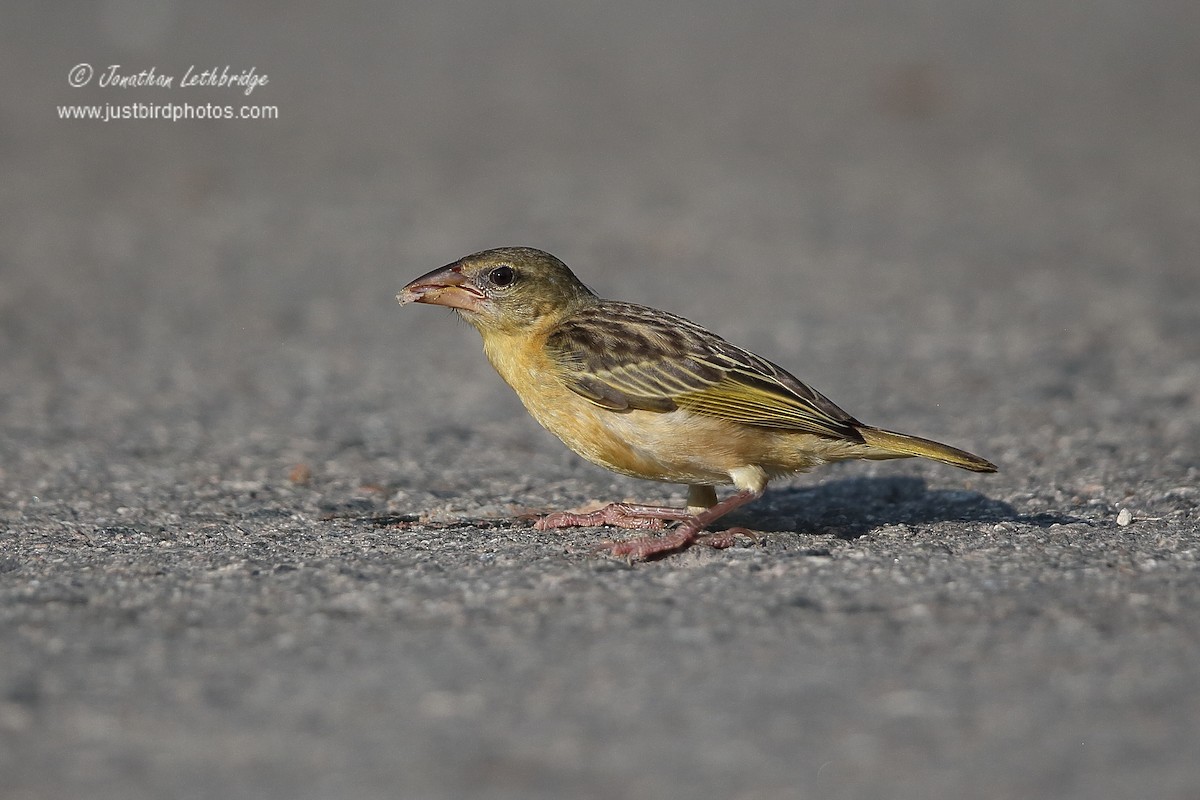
x=622 y=515
x=688 y=533
x=700 y=498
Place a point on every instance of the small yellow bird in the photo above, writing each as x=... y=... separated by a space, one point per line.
x=648 y=394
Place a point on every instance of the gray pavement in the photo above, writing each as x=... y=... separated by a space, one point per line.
x=265 y=534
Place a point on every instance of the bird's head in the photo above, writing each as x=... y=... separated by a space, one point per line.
x=504 y=290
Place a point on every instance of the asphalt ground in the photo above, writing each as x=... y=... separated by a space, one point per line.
x=264 y=534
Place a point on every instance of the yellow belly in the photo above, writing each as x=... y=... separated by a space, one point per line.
x=677 y=446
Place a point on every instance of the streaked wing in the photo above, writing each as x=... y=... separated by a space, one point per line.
x=623 y=356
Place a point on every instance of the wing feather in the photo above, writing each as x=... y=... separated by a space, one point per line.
x=622 y=357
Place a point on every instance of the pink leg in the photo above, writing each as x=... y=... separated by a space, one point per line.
x=621 y=515
x=688 y=533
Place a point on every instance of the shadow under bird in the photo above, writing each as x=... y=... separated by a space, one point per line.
x=649 y=394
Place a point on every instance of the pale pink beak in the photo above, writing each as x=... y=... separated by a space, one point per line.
x=445 y=286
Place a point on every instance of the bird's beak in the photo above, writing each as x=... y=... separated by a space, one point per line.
x=446 y=286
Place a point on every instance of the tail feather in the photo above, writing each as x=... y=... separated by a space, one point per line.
x=901 y=445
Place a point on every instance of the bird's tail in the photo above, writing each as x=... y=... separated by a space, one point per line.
x=901 y=445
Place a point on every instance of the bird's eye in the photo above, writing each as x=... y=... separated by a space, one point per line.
x=502 y=276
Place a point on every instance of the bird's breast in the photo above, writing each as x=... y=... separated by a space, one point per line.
x=677 y=447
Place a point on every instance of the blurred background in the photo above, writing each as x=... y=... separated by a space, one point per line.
x=789 y=175
x=971 y=220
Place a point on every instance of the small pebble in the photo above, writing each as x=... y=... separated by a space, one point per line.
x=1124 y=517
x=300 y=474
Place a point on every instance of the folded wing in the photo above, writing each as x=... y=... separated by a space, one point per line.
x=622 y=357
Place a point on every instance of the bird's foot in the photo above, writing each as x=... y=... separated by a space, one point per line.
x=642 y=517
x=644 y=548
x=727 y=538
x=620 y=515
x=647 y=547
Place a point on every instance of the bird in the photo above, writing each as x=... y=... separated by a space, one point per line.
x=651 y=395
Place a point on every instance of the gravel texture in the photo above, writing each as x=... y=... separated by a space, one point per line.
x=264 y=534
